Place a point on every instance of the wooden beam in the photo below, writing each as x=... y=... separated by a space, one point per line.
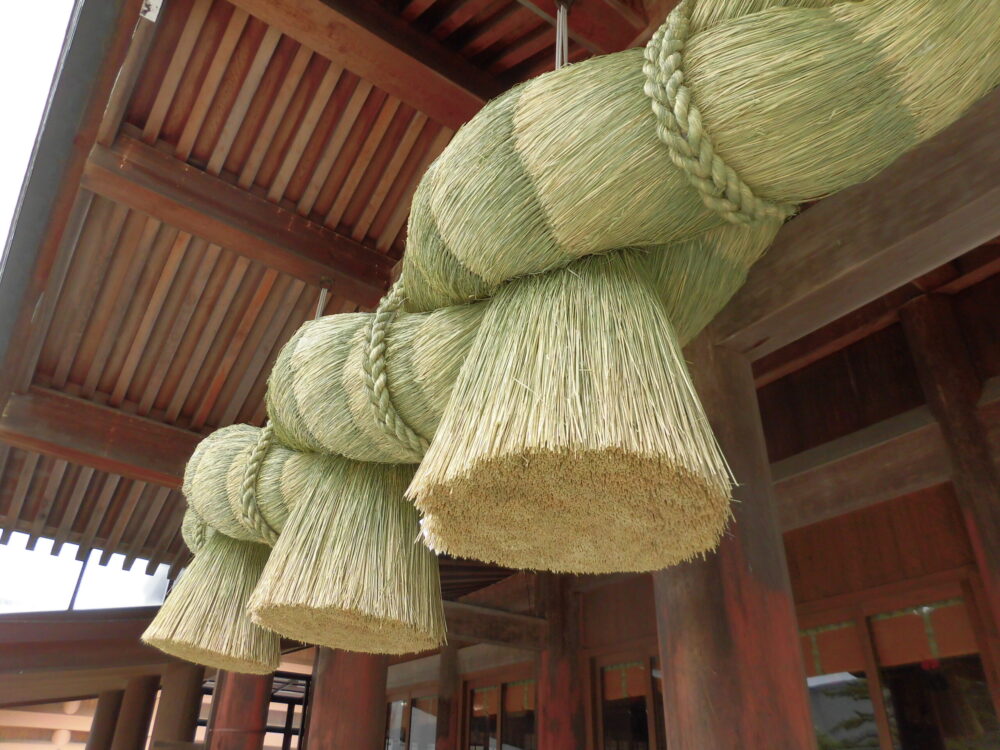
x=57 y=641
x=468 y=622
x=928 y=207
x=73 y=684
x=728 y=633
x=78 y=625
x=89 y=434
x=953 y=389
x=347 y=701
x=596 y=25
x=155 y=183
x=383 y=48
x=889 y=459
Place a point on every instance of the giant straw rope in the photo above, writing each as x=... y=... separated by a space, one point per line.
x=526 y=371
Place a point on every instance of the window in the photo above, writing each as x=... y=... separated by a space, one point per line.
x=484 y=724
x=630 y=705
x=502 y=716
x=842 y=710
x=908 y=679
x=411 y=723
x=423 y=723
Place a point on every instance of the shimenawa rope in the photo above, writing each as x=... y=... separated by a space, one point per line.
x=679 y=126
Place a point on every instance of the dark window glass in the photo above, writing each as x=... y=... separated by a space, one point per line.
x=623 y=707
x=483 y=722
x=941 y=705
x=518 y=723
x=423 y=723
x=842 y=711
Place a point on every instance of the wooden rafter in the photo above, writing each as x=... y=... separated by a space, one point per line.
x=930 y=206
x=110 y=638
x=383 y=48
x=105 y=439
x=157 y=184
x=52 y=206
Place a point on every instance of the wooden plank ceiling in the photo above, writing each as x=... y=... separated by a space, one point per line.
x=236 y=171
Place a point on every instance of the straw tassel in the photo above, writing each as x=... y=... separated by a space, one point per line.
x=574 y=440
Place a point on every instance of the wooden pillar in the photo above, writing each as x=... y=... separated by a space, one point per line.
x=560 y=717
x=952 y=389
x=132 y=729
x=449 y=700
x=102 y=727
x=347 y=705
x=238 y=719
x=180 y=703
x=728 y=636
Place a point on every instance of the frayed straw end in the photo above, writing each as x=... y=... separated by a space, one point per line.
x=204 y=620
x=346 y=571
x=574 y=440
x=583 y=512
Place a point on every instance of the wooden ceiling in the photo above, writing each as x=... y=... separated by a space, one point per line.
x=236 y=170
x=235 y=158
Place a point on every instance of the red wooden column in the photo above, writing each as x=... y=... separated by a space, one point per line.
x=238 y=720
x=952 y=389
x=102 y=727
x=729 y=645
x=132 y=728
x=560 y=713
x=347 y=704
x=180 y=703
x=449 y=697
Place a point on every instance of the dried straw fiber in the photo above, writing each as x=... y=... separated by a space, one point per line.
x=549 y=415
x=204 y=619
x=316 y=396
x=564 y=246
x=394 y=603
x=799 y=102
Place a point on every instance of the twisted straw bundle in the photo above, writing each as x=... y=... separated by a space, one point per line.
x=794 y=103
x=798 y=102
x=583 y=445
x=316 y=395
x=204 y=620
x=351 y=574
x=394 y=605
x=563 y=429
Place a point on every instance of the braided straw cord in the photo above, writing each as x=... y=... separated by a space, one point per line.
x=250 y=515
x=679 y=127
x=194 y=530
x=376 y=380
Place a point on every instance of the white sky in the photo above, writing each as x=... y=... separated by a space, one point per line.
x=36 y=581
x=31 y=36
